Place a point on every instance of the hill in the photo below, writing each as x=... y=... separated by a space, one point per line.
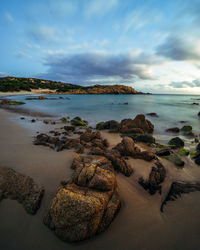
x=15 y=84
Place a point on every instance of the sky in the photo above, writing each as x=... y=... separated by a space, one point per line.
x=151 y=45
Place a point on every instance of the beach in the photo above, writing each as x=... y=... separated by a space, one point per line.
x=139 y=223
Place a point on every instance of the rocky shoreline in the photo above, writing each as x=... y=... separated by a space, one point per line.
x=87 y=203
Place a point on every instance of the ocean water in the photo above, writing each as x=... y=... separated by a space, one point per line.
x=171 y=109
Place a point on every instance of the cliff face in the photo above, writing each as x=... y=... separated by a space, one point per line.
x=112 y=89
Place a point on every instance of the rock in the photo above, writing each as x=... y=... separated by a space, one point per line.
x=156 y=177
x=37 y=98
x=118 y=162
x=176 y=142
x=195 y=103
x=146 y=138
x=77 y=121
x=127 y=147
x=33 y=120
x=96 y=151
x=125 y=103
x=111 y=125
x=153 y=114
x=173 y=130
x=163 y=152
x=139 y=122
x=11 y=102
x=133 y=132
x=178 y=188
x=199 y=114
x=98 y=173
x=16 y=186
x=80 y=211
x=186 y=128
x=174 y=158
x=22 y=118
x=69 y=128
x=46 y=121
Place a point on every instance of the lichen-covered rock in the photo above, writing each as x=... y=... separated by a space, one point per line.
x=93 y=172
x=78 y=121
x=86 y=205
x=176 y=159
x=112 y=125
x=16 y=186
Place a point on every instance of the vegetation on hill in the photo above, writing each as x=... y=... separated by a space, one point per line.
x=27 y=84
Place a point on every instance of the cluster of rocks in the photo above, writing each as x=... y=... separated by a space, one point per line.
x=86 y=140
x=16 y=186
x=185 y=130
x=88 y=203
x=139 y=125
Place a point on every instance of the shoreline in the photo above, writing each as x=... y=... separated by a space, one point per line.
x=139 y=224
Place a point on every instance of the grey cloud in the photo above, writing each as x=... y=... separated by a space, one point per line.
x=178 y=49
x=87 y=68
x=185 y=84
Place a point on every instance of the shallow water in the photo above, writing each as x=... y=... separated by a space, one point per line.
x=171 y=108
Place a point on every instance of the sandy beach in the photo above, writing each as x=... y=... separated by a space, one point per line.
x=139 y=224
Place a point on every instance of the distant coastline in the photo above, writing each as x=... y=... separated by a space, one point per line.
x=22 y=86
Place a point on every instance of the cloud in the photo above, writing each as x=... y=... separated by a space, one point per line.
x=185 y=84
x=20 y=54
x=141 y=17
x=9 y=17
x=179 y=49
x=99 y=66
x=99 y=7
x=48 y=34
x=3 y=74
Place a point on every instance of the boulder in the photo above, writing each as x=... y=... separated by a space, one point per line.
x=176 y=142
x=21 y=188
x=139 y=122
x=163 y=152
x=86 y=205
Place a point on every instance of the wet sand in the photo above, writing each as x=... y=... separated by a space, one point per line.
x=139 y=224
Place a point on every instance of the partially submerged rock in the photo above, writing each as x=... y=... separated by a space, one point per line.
x=176 y=142
x=87 y=205
x=78 y=121
x=11 y=103
x=173 y=130
x=16 y=186
x=153 y=114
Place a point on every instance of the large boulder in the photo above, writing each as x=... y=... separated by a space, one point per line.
x=86 y=205
x=16 y=186
x=140 y=122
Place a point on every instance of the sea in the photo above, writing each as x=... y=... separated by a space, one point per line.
x=172 y=110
